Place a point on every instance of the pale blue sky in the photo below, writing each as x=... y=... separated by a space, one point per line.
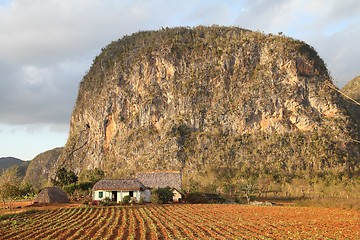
x=5 y=2
x=46 y=46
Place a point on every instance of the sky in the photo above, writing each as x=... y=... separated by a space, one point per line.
x=47 y=46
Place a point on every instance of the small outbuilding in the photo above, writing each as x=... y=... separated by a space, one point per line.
x=51 y=195
x=162 y=179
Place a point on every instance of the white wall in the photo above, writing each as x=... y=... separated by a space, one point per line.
x=120 y=195
x=146 y=195
x=105 y=194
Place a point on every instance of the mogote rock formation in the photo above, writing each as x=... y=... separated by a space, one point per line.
x=211 y=102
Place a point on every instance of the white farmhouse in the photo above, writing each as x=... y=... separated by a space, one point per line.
x=117 y=189
x=139 y=187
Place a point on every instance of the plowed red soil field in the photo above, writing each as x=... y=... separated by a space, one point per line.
x=183 y=221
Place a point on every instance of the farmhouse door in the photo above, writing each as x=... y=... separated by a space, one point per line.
x=114 y=196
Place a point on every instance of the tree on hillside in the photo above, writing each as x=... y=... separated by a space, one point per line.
x=9 y=185
x=92 y=176
x=64 y=177
x=87 y=179
x=77 y=187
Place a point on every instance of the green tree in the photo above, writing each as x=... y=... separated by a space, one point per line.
x=27 y=190
x=164 y=195
x=70 y=188
x=64 y=177
x=92 y=176
x=9 y=185
x=67 y=180
x=86 y=181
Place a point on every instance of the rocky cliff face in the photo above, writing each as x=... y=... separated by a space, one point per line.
x=210 y=101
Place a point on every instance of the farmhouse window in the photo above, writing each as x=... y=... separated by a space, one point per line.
x=100 y=194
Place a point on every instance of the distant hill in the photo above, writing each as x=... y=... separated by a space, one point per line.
x=352 y=89
x=6 y=162
x=38 y=170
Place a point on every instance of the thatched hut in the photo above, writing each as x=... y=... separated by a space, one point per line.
x=51 y=195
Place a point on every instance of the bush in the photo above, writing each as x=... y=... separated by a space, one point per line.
x=239 y=200
x=106 y=202
x=84 y=185
x=197 y=197
x=126 y=199
x=70 y=189
x=27 y=191
x=162 y=195
x=154 y=198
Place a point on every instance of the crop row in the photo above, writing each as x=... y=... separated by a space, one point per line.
x=183 y=221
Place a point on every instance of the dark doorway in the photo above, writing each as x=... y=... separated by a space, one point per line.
x=131 y=193
x=114 y=196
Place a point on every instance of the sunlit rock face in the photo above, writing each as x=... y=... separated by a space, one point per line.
x=203 y=99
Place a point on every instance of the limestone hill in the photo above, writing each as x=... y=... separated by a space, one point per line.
x=217 y=103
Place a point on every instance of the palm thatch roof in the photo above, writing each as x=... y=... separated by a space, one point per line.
x=160 y=179
x=119 y=184
x=51 y=195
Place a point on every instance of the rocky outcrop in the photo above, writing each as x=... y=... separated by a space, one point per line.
x=209 y=101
